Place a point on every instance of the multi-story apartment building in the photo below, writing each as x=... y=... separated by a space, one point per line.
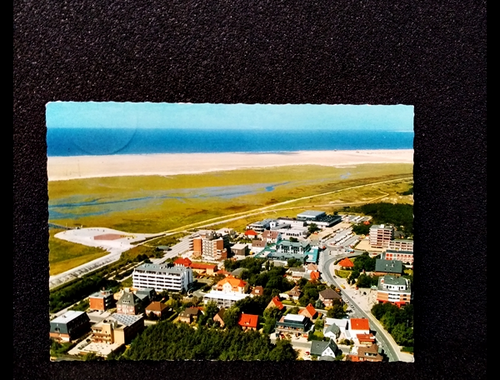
x=162 y=277
x=381 y=235
x=210 y=245
x=401 y=245
x=396 y=290
x=101 y=300
x=403 y=256
x=117 y=328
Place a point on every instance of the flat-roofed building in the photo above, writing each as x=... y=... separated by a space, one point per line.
x=240 y=250
x=117 y=328
x=294 y=247
x=101 y=300
x=69 y=326
x=296 y=232
x=403 y=256
x=401 y=245
x=294 y=324
x=162 y=277
x=396 y=290
x=209 y=244
x=310 y=215
x=223 y=299
x=260 y=225
x=320 y=218
x=381 y=235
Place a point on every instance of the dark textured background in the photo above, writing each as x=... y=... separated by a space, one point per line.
x=430 y=54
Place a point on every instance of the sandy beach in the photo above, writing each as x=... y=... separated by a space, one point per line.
x=65 y=168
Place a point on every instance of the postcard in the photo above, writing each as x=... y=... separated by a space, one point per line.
x=183 y=231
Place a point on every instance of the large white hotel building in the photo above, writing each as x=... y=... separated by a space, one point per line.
x=162 y=277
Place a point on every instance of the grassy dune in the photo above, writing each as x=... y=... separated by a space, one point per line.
x=150 y=204
x=170 y=202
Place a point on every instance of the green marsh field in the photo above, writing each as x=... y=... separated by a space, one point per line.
x=153 y=204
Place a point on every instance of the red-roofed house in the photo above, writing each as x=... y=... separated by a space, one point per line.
x=248 y=321
x=358 y=326
x=365 y=339
x=183 y=261
x=346 y=263
x=231 y=284
x=275 y=302
x=314 y=275
x=309 y=311
x=209 y=269
x=251 y=234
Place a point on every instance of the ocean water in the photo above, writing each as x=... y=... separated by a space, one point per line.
x=86 y=141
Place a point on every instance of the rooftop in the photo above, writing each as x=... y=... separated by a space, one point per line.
x=160 y=268
x=360 y=324
x=126 y=319
x=68 y=316
x=388 y=266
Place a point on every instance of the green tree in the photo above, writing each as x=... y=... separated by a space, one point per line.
x=336 y=311
x=231 y=316
x=319 y=324
x=364 y=281
x=283 y=351
x=313 y=227
x=361 y=229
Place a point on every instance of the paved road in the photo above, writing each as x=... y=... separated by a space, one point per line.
x=360 y=305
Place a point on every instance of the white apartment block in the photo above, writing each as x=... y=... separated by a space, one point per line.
x=162 y=277
x=381 y=235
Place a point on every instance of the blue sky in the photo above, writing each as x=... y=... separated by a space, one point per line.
x=228 y=116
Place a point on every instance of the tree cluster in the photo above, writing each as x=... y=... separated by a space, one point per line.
x=337 y=310
x=397 y=321
x=169 y=341
x=398 y=214
x=76 y=291
x=366 y=281
x=310 y=291
x=362 y=263
x=361 y=229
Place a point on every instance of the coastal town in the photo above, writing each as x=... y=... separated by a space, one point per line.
x=314 y=286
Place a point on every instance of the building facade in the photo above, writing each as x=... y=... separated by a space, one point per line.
x=294 y=325
x=69 y=326
x=101 y=300
x=117 y=328
x=162 y=277
x=396 y=290
x=403 y=256
x=381 y=235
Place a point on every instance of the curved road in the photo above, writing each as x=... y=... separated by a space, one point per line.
x=386 y=341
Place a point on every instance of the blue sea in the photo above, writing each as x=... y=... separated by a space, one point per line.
x=86 y=141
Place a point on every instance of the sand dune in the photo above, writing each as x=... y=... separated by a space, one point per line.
x=65 y=168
